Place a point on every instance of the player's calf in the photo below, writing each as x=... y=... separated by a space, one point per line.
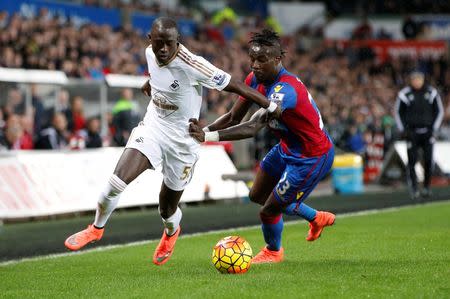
x=106 y=205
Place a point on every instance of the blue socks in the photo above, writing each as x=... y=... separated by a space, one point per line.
x=272 y=227
x=302 y=210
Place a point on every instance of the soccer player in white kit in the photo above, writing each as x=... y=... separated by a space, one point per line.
x=162 y=138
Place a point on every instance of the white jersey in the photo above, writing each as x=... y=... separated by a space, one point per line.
x=176 y=92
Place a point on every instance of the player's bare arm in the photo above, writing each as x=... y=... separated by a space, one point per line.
x=253 y=95
x=232 y=117
x=241 y=131
x=146 y=88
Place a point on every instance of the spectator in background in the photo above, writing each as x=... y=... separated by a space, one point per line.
x=96 y=69
x=78 y=121
x=62 y=104
x=87 y=138
x=13 y=133
x=92 y=133
x=125 y=117
x=56 y=136
x=355 y=141
x=27 y=123
x=383 y=34
x=39 y=111
x=3 y=19
x=410 y=28
x=363 y=30
x=15 y=103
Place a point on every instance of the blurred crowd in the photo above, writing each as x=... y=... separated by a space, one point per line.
x=91 y=51
x=354 y=93
x=367 y=7
x=334 y=7
x=65 y=125
x=143 y=6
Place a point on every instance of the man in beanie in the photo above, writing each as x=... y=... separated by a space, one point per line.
x=418 y=114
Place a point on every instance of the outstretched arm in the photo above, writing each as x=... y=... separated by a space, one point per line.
x=232 y=117
x=253 y=95
x=241 y=131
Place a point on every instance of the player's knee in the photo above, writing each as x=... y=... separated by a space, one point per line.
x=269 y=216
x=268 y=210
x=252 y=195
x=255 y=197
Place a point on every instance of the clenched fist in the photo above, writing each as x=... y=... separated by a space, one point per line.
x=195 y=131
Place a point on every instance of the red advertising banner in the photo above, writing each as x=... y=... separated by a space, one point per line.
x=385 y=49
x=374 y=157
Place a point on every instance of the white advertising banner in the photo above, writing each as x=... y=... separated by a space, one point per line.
x=342 y=28
x=396 y=161
x=33 y=76
x=293 y=15
x=41 y=183
x=441 y=156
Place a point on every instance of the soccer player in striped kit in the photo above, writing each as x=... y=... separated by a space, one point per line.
x=176 y=80
x=292 y=168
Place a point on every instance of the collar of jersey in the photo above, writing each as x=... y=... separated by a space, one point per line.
x=282 y=70
x=171 y=59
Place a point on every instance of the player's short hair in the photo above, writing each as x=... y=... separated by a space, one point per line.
x=165 y=22
x=267 y=37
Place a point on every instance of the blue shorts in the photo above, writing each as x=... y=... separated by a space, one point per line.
x=297 y=176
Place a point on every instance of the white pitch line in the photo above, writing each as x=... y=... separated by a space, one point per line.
x=137 y=243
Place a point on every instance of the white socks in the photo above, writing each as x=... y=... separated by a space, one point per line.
x=110 y=197
x=108 y=200
x=172 y=223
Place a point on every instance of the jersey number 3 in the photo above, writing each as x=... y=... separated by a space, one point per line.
x=283 y=185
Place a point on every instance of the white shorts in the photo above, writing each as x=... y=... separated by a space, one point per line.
x=177 y=164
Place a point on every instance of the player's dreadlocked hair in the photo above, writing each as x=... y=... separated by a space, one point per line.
x=267 y=37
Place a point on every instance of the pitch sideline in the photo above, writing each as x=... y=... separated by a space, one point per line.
x=109 y=247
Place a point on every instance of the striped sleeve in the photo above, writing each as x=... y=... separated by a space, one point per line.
x=398 y=111
x=203 y=71
x=439 y=109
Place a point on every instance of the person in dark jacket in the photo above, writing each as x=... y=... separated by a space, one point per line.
x=93 y=138
x=419 y=113
x=55 y=136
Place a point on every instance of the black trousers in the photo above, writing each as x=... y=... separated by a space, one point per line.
x=423 y=141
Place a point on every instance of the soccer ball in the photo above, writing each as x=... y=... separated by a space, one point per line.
x=232 y=254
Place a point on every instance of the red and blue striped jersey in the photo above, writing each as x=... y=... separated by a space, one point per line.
x=300 y=128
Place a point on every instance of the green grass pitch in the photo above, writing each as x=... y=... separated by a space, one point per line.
x=398 y=253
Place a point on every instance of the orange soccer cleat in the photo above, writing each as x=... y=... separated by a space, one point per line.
x=165 y=248
x=268 y=256
x=317 y=225
x=81 y=239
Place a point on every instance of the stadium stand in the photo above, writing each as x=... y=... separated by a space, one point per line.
x=354 y=89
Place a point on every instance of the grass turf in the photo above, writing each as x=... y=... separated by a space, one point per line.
x=403 y=253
